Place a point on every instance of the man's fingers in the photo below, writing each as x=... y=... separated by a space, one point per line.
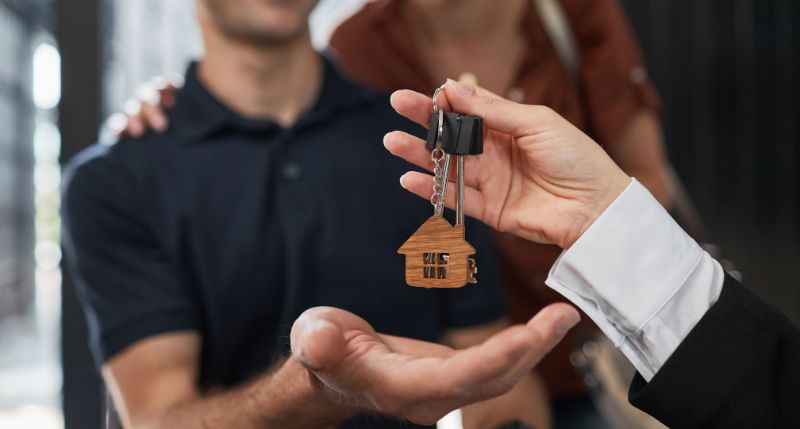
x=422 y=184
x=482 y=372
x=321 y=345
x=412 y=347
x=548 y=328
x=317 y=341
x=553 y=322
x=550 y=325
x=502 y=360
x=318 y=335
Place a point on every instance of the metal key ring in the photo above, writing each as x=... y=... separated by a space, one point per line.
x=438 y=111
x=440 y=173
x=436 y=98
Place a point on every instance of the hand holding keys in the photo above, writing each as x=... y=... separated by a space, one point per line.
x=539 y=177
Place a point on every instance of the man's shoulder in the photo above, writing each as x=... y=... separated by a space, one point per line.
x=112 y=168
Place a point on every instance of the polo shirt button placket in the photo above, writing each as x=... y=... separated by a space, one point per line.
x=292 y=171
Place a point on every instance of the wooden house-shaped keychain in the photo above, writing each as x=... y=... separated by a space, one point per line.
x=437 y=255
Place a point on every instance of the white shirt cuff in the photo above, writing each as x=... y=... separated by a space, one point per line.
x=639 y=277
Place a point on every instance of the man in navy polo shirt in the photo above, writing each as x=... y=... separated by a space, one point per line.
x=196 y=249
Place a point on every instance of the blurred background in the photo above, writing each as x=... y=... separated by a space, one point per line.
x=727 y=72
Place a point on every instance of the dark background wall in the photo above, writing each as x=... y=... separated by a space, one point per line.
x=728 y=72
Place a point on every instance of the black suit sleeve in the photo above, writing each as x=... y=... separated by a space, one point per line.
x=738 y=368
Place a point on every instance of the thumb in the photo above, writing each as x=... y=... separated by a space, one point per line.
x=497 y=113
x=317 y=342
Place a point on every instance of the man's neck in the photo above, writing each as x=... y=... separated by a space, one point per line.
x=465 y=22
x=266 y=82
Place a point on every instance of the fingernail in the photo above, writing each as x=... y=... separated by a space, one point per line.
x=159 y=83
x=159 y=124
x=132 y=107
x=385 y=137
x=117 y=123
x=148 y=95
x=568 y=323
x=175 y=80
x=402 y=178
x=468 y=77
x=461 y=89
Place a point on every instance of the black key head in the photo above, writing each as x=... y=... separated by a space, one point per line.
x=461 y=134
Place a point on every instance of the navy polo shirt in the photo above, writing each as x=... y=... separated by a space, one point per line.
x=232 y=227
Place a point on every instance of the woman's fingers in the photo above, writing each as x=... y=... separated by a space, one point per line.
x=421 y=184
x=153 y=117
x=166 y=88
x=418 y=107
x=413 y=150
x=168 y=95
x=497 y=113
x=135 y=127
x=409 y=148
x=413 y=105
x=117 y=124
x=152 y=114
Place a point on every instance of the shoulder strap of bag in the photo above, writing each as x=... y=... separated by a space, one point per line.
x=558 y=30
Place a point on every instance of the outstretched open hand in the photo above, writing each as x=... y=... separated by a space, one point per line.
x=539 y=177
x=416 y=380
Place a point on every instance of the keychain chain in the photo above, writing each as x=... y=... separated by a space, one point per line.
x=440 y=172
x=438 y=155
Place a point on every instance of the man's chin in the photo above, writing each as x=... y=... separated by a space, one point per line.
x=272 y=35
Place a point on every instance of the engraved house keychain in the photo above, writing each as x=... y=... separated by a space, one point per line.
x=437 y=254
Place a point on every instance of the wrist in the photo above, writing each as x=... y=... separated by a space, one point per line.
x=596 y=204
x=306 y=401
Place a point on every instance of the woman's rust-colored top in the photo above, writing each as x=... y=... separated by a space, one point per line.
x=375 y=47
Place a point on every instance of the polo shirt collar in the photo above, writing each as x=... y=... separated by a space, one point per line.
x=198 y=114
